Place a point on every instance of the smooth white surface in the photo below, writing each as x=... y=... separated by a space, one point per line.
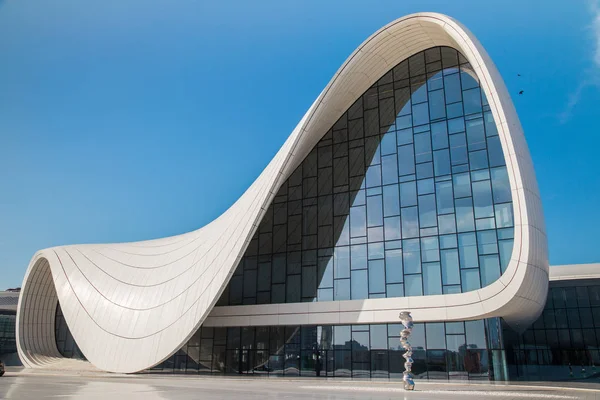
x=575 y=271
x=130 y=306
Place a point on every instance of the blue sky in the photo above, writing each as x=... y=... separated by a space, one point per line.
x=131 y=120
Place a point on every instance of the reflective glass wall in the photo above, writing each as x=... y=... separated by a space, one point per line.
x=8 y=341
x=406 y=195
x=456 y=350
x=65 y=343
x=564 y=343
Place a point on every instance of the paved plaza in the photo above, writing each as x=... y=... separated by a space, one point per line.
x=33 y=386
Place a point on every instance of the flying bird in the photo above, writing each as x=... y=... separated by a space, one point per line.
x=518 y=74
x=521 y=92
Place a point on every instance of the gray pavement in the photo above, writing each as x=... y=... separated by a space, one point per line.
x=26 y=385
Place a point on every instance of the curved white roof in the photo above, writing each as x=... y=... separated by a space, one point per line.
x=130 y=306
x=574 y=271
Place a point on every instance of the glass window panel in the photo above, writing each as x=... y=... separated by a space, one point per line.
x=432 y=55
x=375 y=251
x=472 y=101
x=413 y=285
x=456 y=125
x=389 y=166
x=425 y=170
x=480 y=175
x=462 y=185
x=406 y=160
x=412 y=256
x=478 y=159
x=358 y=256
x=393 y=266
x=454 y=110
x=447 y=224
x=325 y=294
x=505 y=247
x=422 y=147
x=376 y=276
x=293 y=288
x=475 y=134
x=582 y=297
x=496 y=157
x=417 y=64
x=455 y=328
x=374 y=176
x=444 y=197
x=432 y=278
x=487 y=242
x=594 y=293
x=490 y=269
x=264 y=276
x=504 y=215
x=490 y=124
x=341 y=262
x=410 y=222
x=500 y=185
x=388 y=143
x=420 y=112
x=467 y=246
x=430 y=249
x=448 y=242
x=374 y=211
x=341 y=289
x=358 y=286
x=452 y=88
x=408 y=194
x=356 y=161
x=391 y=200
x=437 y=108
x=309 y=281
x=395 y=290
x=450 y=267
x=405 y=136
x=475 y=331
x=392 y=228
x=452 y=289
x=436 y=335
x=278 y=293
x=482 y=199
x=404 y=121
x=326 y=272
x=441 y=162
x=464 y=215
x=439 y=135
x=358 y=221
x=419 y=90
x=470 y=279
x=427 y=211
x=458 y=149
x=425 y=186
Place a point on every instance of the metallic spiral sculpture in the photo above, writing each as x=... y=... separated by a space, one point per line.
x=407 y=321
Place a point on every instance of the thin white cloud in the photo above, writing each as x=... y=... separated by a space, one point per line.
x=593 y=75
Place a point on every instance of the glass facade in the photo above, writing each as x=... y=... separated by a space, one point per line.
x=65 y=343
x=8 y=341
x=406 y=195
x=564 y=343
x=456 y=350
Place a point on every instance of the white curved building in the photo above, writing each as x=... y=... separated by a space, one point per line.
x=408 y=184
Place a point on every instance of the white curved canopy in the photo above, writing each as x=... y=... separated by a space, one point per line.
x=130 y=306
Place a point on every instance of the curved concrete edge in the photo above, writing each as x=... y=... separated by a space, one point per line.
x=130 y=306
